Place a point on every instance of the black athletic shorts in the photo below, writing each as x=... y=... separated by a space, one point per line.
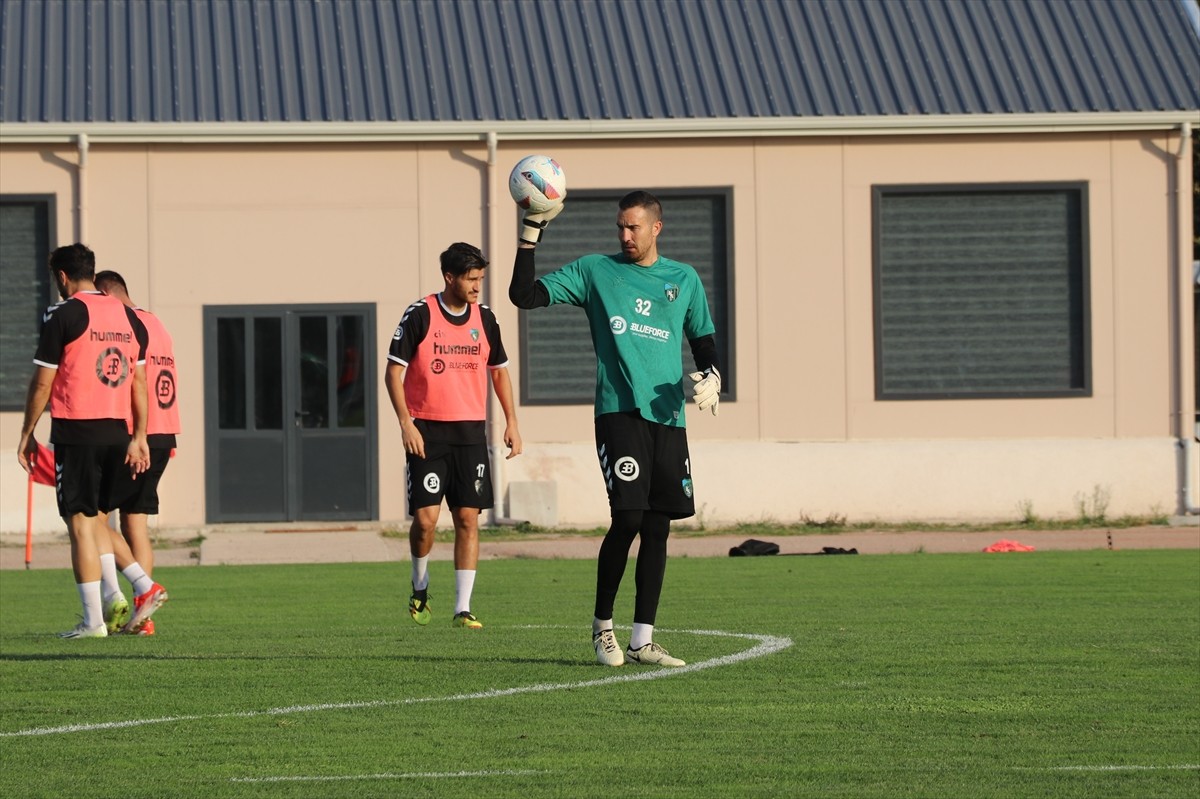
x=140 y=495
x=86 y=476
x=646 y=465
x=461 y=473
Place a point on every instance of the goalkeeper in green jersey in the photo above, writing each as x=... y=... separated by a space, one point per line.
x=640 y=307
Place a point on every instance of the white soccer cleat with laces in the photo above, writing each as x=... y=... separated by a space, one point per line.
x=608 y=651
x=652 y=654
x=80 y=631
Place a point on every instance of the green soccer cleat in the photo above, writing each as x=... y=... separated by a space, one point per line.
x=467 y=619
x=419 y=610
x=116 y=613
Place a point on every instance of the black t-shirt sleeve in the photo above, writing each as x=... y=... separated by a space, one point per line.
x=491 y=328
x=523 y=290
x=704 y=352
x=62 y=323
x=139 y=332
x=409 y=333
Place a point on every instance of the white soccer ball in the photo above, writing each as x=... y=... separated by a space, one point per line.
x=537 y=183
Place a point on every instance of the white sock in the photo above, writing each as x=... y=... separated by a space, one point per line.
x=420 y=573
x=138 y=578
x=642 y=634
x=601 y=624
x=93 y=607
x=464 y=584
x=109 y=586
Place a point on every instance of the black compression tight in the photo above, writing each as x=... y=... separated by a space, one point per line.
x=651 y=563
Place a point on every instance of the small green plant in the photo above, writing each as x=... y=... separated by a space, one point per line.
x=1093 y=509
x=833 y=521
x=1027 y=516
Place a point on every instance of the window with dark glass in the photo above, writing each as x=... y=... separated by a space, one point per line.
x=26 y=236
x=981 y=291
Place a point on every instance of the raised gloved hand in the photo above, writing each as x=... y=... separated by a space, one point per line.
x=532 y=225
x=706 y=390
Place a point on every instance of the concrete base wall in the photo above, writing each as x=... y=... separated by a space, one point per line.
x=958 y=480
x=967 y=481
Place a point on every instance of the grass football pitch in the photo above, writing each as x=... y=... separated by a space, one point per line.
x=1051 y=674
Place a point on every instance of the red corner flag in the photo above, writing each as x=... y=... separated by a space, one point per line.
x=43 y=465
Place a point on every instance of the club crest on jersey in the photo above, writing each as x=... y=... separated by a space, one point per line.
x=672 y=291
x=112 y=368
x=474 y=334
x=687 y=487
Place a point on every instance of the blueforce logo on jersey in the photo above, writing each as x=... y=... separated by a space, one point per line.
x=627 y=469
x=672 y=291
x=650 y=331
x=432 y=483
x=618 y=325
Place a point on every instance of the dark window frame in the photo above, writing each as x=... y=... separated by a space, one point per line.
x=725 y=328
x=1081 y=188
x=50 y=203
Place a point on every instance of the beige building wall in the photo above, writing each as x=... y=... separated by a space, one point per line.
x=194 y=225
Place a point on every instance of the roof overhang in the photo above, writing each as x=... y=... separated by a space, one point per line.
x=302 y=132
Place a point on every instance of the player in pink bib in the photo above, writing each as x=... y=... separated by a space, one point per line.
x=91 y=370
x=442 y=355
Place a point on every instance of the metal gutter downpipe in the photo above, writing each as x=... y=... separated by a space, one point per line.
x=497 y=516
x=1183 y=280
x=81 y=142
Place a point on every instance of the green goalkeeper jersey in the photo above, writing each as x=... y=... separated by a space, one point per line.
x=639 y=317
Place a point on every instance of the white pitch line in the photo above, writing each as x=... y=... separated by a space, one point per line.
x=432 y=775
x=1117 y=767
x=767 y=645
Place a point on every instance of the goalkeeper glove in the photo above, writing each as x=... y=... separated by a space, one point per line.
x=707 y=389
x=532 y=225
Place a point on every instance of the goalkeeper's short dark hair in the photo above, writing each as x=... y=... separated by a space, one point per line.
x=642 y=199
x=460 y=258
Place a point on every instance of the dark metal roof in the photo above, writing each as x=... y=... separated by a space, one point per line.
x=397 y=61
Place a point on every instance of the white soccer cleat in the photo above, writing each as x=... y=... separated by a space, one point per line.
x=608 y=651
x=652 y=654
x=80 y=631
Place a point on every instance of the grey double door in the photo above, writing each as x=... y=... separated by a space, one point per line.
x=290 y=413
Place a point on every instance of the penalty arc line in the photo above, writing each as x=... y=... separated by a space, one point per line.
x=766 y=645
x=1116 y=767
x=430 y=775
